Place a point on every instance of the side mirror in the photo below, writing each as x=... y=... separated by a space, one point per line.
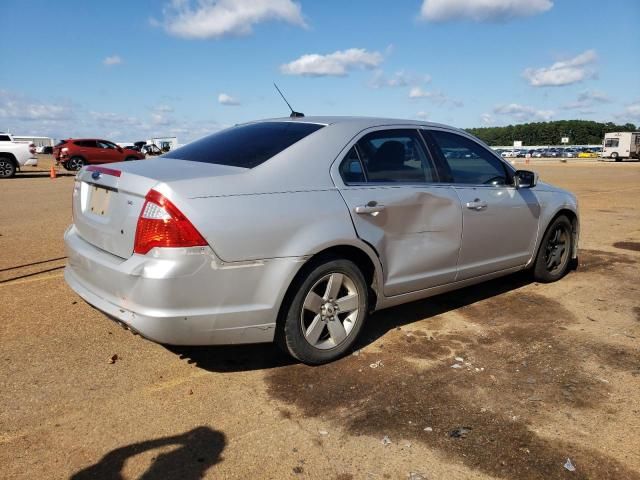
x=525 y=179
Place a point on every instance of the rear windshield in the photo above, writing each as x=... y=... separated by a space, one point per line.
x=245 y=146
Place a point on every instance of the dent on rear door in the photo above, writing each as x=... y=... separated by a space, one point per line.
x=417 y=234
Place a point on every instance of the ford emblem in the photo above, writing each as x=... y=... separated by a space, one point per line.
x=95 y=175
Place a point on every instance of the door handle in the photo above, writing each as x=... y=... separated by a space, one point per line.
x=370 y=208
x=477 y=205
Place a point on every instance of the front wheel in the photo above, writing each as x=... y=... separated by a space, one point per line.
x=325 y=313
x=554 y=255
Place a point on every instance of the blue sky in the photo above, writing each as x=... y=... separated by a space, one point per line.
x=128 y=70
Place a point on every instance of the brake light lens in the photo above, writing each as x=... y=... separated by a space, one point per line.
x=161 y=224
x=32 y=149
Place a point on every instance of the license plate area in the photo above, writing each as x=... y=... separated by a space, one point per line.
x=99 y=199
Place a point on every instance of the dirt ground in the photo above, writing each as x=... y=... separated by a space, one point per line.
x=549 y=372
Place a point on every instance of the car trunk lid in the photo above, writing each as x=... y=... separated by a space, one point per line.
x=107 y=201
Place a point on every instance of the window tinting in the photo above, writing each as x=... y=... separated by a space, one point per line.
x=245 y=146
x=395 y=156
x=86 y=143
x=351 y=168
x=5 y=138
x=469 y=161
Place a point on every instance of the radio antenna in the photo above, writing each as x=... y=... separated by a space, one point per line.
x=294 y=114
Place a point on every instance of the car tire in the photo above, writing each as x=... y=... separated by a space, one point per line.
x=554 y=255
x=326 y=309
x=130 y=159
x=7 y=167
x=76 y=163
x=614 y=156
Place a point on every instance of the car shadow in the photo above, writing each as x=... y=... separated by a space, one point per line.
x=197 y=451
x=237 y=358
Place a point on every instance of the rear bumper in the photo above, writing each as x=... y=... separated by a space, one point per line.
x=31 y=162
x=181 y=296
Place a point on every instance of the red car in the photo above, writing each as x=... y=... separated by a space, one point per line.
x=74 y=153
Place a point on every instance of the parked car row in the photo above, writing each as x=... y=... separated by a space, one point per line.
x=552 y=152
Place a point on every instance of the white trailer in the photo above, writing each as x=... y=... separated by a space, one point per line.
x=619 y=145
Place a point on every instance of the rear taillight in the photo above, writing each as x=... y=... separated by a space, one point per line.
x=32 y=149
x=161 y=224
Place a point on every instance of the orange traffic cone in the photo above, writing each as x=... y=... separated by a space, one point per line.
x=52 y=172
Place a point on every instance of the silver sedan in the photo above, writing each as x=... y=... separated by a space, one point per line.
x=294 y=230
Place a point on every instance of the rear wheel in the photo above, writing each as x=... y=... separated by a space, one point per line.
x=7 y=167
x=325 y=312
x=554 y=255
x=76 y=163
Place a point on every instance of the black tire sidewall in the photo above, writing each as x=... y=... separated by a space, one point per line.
x=293 y=337
x=540 y=272
x=13 y=172
x=82 y=163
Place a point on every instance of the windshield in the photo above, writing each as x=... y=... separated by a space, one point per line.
x=245 y=146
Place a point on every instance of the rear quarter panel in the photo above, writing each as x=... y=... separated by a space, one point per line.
x=262 y=226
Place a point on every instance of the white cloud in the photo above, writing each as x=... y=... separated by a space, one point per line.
x=481 y=10
x=422 y=115
x=631 y=112
x=437 y=97
x=225 y=99
x=523 y=112
x=333 y=64
x=217 y=18
x=487 y=119
x=398 y=79
x=587 y=99
x=564 y=72
x=112 y=60
x=18 y=107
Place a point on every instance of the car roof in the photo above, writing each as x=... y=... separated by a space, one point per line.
x=362 y=122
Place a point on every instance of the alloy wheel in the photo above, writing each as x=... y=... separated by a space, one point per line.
x=557 y=249
x=6 y=168
x=330 y=311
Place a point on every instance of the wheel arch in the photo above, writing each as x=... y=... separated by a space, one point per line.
x=12 y=159
x=572 y=215
x=10 y=156
x=361 y=254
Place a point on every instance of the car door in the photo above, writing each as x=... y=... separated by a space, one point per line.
x=88 y=149
x=499 y=222
x=108 y=152
x=390 y=186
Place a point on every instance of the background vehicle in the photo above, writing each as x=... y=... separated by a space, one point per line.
x=15 y=155
x=288 y=230
x=619 y=145
x=73 y=154
x=151 y=149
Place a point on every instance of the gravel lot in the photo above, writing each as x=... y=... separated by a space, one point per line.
x=549 y=372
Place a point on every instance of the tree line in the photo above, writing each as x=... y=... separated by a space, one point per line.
x=580 y=132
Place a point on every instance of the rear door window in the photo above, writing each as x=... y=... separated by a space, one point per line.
x=392 y=156
x=468 y=161
x=245 y=146
x=86 y=143
x=5 y=138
